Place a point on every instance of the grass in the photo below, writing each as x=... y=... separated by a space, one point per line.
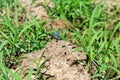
x=16 y=39
x=92 y=33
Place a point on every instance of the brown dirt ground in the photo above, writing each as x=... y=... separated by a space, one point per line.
x=62 y=65
x=109 y=2
x=37 y=9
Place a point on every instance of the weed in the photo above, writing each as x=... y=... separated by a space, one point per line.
x=16 y=39
x=92 y=33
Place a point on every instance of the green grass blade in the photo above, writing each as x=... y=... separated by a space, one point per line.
x=10 y=41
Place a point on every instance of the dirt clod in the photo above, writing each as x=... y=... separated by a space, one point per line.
x=55 y=24
x=64 y=63
x=37 y=9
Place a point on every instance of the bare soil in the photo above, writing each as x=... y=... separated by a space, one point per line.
x=37 y=9
x=64 y=64
x=110 y=2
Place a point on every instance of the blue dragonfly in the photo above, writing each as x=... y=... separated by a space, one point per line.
x=57 y=35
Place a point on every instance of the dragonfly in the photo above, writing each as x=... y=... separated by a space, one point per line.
x=57 y=35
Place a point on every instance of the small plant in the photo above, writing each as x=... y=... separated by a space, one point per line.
x=16 y=39
x=92 y=33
